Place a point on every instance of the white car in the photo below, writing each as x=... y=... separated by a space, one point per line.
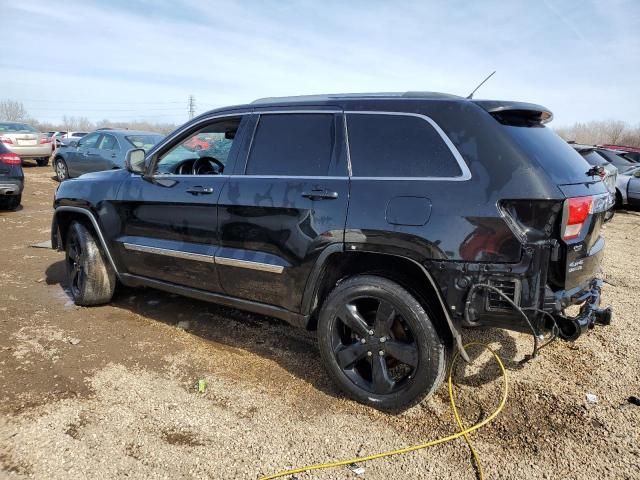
x=64 y=138
x=26 y=142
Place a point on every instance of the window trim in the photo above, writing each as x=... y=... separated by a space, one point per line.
x=464 y=168
x=259 y=113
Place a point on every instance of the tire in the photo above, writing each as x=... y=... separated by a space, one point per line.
x=11 y=202
x=62 y=172
x=90 y=278
x=355 y=318
x=42 y=162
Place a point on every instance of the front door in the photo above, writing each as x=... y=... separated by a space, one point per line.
x=287 y=203
x=169 y=218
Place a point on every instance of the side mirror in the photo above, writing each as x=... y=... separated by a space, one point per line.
x=73 y=144
x=134 y=161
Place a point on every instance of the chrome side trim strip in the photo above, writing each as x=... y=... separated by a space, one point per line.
x=169 y=253
x=96 y=228
x=466 y=173
x=263 y=267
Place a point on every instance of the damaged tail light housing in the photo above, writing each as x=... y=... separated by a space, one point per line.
x=6 y=140
x=45 y=140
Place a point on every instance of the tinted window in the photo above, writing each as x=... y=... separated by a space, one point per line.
x=143 y=141
x=593 y=158
x=398 y=146
x=299 y=144
x=108 y=143
x=16 y=128
x=90 y=141
x=559 y=160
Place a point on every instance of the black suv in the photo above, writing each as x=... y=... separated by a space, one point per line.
x=386 y=222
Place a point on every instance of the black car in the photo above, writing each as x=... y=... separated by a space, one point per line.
x=386 y=222
x=11 y=179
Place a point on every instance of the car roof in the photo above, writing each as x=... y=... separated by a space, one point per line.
x=377 y=100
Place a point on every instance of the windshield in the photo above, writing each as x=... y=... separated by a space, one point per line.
x=16 y=128
x=561 y=162
x=143 y=141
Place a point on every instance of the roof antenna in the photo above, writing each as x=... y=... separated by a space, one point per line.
x=481 y=83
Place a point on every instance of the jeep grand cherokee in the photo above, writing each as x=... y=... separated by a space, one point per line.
x=386 y=222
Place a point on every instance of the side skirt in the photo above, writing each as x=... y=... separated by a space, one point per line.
x=295 y=319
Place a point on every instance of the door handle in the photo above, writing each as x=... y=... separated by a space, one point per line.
x=199 y=190
x=114 y=155
x=320 y=194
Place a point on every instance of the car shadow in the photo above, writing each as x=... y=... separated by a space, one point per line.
x=293 y=349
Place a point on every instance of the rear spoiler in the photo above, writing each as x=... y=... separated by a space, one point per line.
x=516 y=113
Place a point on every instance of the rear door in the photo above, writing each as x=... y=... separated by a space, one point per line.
x=105 y=156
x=81 y=158
x=169 y=219
x=287 y=203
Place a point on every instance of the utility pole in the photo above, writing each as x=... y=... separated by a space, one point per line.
x=192 y=106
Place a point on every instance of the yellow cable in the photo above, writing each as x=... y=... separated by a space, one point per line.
x=464 y=432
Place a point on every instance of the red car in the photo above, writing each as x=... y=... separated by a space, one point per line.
x=196 y=143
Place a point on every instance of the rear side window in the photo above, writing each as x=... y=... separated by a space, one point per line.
x=292 y=144
x=108 y=142
x=383 y=145
x=558 y=159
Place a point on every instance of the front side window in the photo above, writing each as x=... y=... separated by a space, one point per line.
x=89 y=141
x=383 y=145
x=292 y=144
x=204 y=152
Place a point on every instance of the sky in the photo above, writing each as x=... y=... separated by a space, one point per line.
x=141 y=59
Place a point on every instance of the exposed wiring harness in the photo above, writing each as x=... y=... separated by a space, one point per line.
x=521 y=311
x=464 y=432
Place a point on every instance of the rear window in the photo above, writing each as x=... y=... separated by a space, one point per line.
x=593 y=158
x=561 y=162
x=383 y=145
x=10 y=127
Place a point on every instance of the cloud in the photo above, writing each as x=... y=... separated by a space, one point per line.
x=140 y=59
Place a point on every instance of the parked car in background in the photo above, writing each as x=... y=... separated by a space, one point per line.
x=627 y=184
x=99 y=150
x=26 y=141
x=199 y=142
x=11 y=179
x=370 y=218
x=65 y=138
x=609 y=172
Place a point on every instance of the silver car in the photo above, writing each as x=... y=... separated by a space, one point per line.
x=26 y=141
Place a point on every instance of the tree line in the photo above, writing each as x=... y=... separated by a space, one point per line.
x=13 y=111
x=602 y=132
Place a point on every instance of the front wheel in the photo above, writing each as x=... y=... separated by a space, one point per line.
x=379 y=344
x=91 y=279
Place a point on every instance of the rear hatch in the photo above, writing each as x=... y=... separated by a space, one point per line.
x=584 y=197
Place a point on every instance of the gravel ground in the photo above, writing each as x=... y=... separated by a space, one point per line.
x=109 y=392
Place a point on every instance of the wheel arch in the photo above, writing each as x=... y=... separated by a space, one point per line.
x=336 y=265
x=63 y=216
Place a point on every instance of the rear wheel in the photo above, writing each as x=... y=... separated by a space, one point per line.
x=91 y=279
x=379 y=345
x=42 y=162
x=62 y=172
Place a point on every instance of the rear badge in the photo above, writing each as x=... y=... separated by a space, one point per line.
x=575 y=266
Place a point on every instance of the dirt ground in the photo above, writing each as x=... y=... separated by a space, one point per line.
x=108 y=392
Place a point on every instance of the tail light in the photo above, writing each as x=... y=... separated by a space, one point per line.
x=578 y=210
x=10 y=159
x=6 y=140
x=45 y=140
